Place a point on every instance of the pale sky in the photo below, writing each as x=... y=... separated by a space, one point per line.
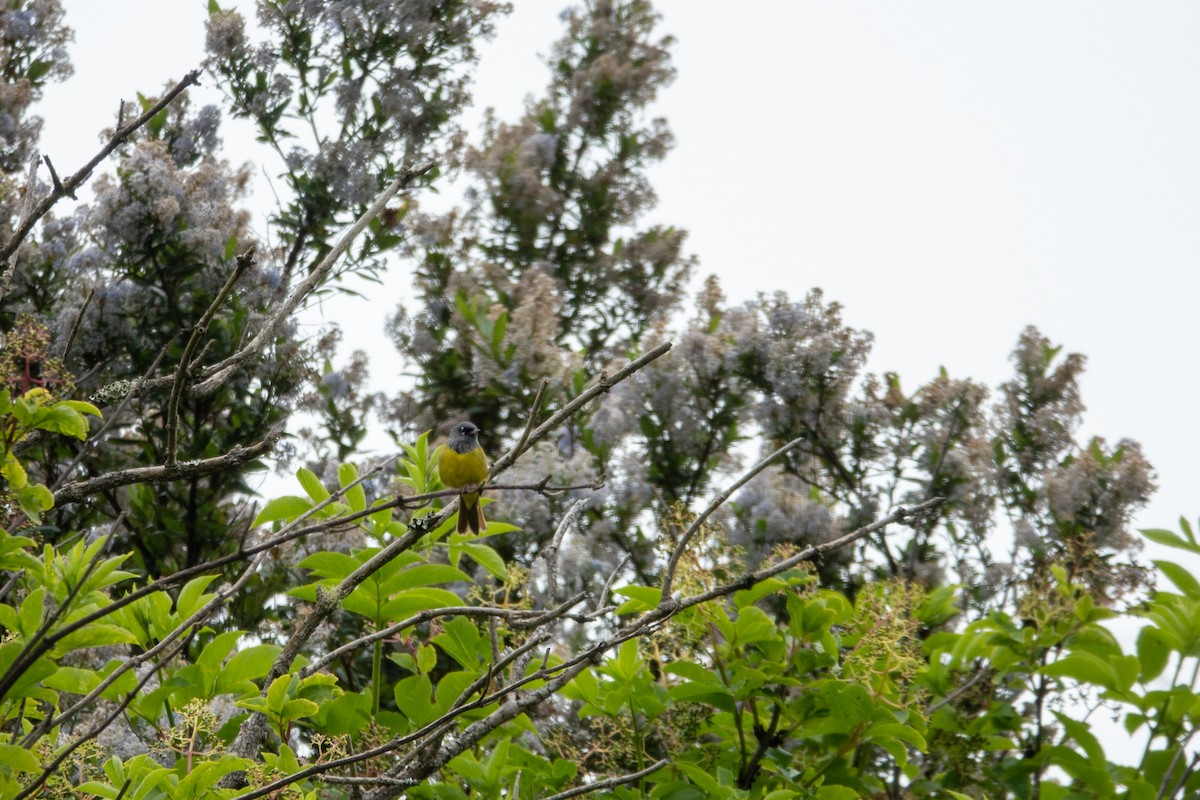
x=949 y=171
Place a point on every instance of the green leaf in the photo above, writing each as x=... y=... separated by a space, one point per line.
x=414 y=699
x=33 y=500
x=426 y=658
x=298 y=709
x=356 y=497
x=707 y=693
x=628 y=662
x=64 y=420
x=73 y=680
x=96 y=635
x=424 y=575
x=407 y=603
x=1169 y=539
x=757 y=592
x=346 y=714
x=641 y=598
x=487 y=558
x=461 y=641
x=312 y=485
x=239 y=672
x=1181 y=577
x=1153 y=653
x=19 y=759
x=192 y=597
x=32 y=609
x=288 y=507
x=1085 y=668
x=896 y=730
x=81 y=406
x=1082 y=734
x=753 y=625
x=327 y=564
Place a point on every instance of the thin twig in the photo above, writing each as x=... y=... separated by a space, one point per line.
x=218 y=374
x=87 y=301
x=54 y=179
x=234 y=457
x=110 y=420
x=550 y=552
x=608 y=783
x=608 y=584
x=531 y=418
x=185 y=359
x=601 y=386
x=358 y=781
x=717 y=502
x=73 y=182
x=979 y=675
x=10 y=258
x=515 y=615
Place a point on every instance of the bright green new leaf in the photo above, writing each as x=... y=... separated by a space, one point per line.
x=356 y=496
x=312 y=485
x=288 y=507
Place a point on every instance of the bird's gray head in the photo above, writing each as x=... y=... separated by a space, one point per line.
x=464 y=437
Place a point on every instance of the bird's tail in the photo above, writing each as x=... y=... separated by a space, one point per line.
x=470 y=515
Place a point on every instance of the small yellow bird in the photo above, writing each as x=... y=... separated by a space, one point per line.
x=463 y=463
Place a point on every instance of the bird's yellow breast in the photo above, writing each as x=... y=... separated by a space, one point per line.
x=462 y=469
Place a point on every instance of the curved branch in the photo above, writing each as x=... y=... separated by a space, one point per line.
x=718 y=501
x=218 y=374
x=608 y=783
x=67 y=187
x=238 y=455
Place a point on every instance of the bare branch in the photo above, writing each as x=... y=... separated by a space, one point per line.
x=534 y=409
x=521 y=617
x=608 y=783
x=67 y=187
x=807 y=554
x=601 y=386
x=185 y=359
x=608 y=584
x=10 y=262
x=109 y=421
x=219 y=373
x=717 y=502
x=87 y=301
x=550 y=552
x=238 y=455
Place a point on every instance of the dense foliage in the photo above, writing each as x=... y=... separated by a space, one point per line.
x=723 y=559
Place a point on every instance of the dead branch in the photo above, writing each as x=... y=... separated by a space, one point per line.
x=238 y=455
x=67 y=187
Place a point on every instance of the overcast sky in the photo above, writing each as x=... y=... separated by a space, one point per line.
x=949 y=171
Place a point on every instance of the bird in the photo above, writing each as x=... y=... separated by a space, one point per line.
x=462 y=462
